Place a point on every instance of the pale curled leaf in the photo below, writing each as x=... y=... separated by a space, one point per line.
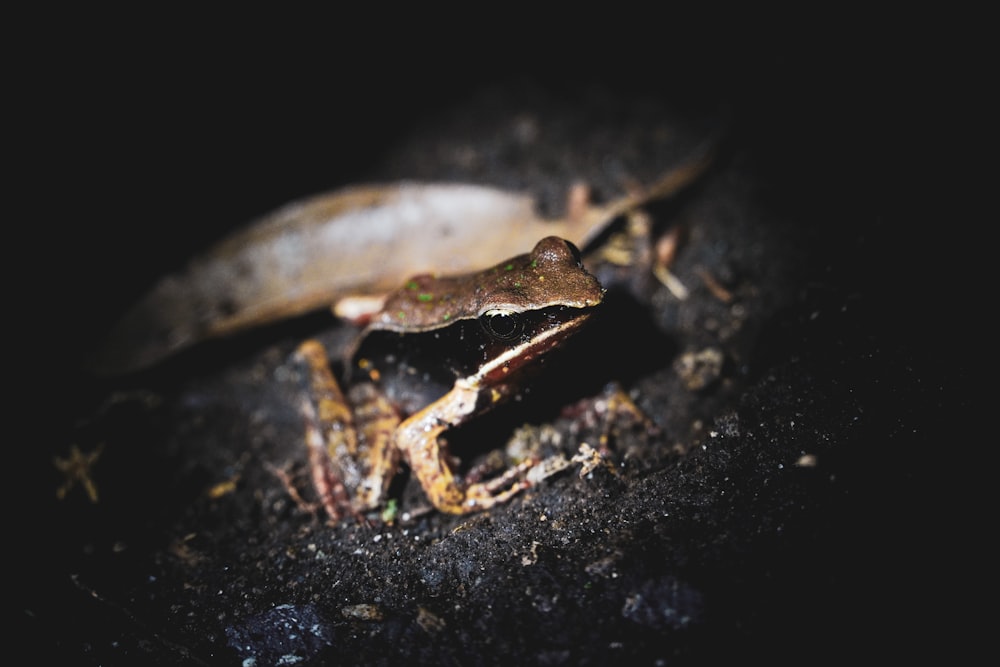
x=363 y=240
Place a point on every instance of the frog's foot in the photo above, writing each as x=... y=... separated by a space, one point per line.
x=292 y=489
x=483 y=495
x=618 y=409
x=608 y=414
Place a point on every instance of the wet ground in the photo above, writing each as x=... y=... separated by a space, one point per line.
x=789 y=506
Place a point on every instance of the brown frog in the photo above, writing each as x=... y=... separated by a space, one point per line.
x=476 y=336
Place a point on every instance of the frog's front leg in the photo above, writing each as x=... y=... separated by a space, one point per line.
x=351 y=452
x=418 y=440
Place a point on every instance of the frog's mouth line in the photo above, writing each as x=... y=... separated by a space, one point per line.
x=502 y=366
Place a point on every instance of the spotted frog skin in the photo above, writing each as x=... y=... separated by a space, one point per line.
x=439 y=352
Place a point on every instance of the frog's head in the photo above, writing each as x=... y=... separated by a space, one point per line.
x=549 y=278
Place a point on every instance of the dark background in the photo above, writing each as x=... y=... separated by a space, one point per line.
x=146 y=138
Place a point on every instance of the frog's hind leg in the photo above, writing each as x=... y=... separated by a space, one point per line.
x=329 y=486
x=329 y=428
x=481 y=495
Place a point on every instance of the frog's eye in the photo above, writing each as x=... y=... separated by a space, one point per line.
x=502 y=324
